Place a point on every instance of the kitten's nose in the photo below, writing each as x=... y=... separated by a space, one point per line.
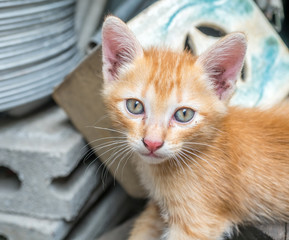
x=152 y=145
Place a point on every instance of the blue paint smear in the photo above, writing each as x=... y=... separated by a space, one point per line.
x=217 y=8
x=270 y=54
x=269 y=70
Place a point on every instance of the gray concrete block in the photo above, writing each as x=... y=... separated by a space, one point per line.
x=119 y=233
x=18 y=227
x=44 y=152
x=103 y=216
x=277 y=231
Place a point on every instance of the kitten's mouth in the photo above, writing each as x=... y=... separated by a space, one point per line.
x=151 y=154
x=152 y=158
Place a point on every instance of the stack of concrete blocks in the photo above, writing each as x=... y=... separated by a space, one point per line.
x=44 y=184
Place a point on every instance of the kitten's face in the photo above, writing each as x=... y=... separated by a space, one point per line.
x=166 y=101
x=161 y=102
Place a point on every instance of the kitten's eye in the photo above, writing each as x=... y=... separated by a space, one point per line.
x=134 y=106
x=184 y=115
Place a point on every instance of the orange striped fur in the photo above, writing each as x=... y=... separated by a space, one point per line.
x=227 y=166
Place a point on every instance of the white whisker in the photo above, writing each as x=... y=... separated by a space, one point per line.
x=203 y=144
x=190 y=151
x=105 y=138
x=101 y=146
x=129 y=154
x=99 y=139
x=179 y=164
x=216 y=129
x=108 y=129
x=99 y=156
x=189 y=158
x=108 y=144
x=100 y=119
x=125 y=151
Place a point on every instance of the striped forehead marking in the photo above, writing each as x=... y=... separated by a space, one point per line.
x=165 y=73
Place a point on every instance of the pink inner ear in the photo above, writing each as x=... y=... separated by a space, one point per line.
x=111 y=59
x=119 y=47
x=227 y=74
x=223 y=63
x=234 y=63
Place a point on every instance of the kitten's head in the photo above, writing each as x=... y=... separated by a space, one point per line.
x=167 y=102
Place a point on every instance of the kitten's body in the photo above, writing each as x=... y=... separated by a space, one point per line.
x=226 y=166
x=244 y=180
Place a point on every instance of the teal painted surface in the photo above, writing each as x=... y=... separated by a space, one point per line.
x=269 y=69
x=266 y=74
x=212 y=9
x=267 y=60
x=270 y=65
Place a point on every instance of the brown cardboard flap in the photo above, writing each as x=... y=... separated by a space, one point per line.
x=79 y=95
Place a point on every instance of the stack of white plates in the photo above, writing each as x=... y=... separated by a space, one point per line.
x=37 y=48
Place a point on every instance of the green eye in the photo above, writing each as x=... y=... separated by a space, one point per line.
x=134 y=106
x=184 y=115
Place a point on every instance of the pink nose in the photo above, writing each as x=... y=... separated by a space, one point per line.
x=152 y=145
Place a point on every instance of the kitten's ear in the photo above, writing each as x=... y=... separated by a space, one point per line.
x=223 y=62
x=119 y=47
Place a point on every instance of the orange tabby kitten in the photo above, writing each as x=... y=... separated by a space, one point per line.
x=206 y=166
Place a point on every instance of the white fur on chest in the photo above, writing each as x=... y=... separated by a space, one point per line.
x=166 y=188
x=173 y=197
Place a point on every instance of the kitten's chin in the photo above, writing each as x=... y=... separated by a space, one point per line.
x=152 y=159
